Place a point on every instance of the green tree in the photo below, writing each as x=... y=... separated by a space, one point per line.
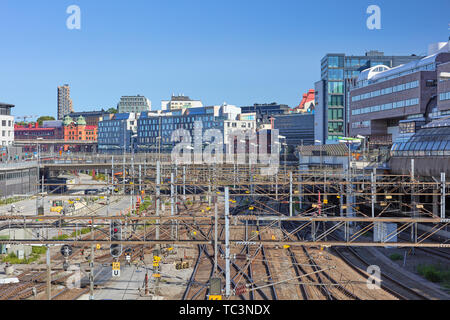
x=112 y=110
x=44 y=118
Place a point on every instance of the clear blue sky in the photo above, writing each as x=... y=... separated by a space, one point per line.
x=240 y=52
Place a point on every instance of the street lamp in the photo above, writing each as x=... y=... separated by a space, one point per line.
x=364 y=147
x=321 y=152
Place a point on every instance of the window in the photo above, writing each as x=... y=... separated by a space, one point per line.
x=336 y=100
x=336 y=74
x=335 y=127
x=335 y=62
x=335 y=114
x=335 y=87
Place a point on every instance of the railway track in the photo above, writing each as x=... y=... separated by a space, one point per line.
x=401 y=291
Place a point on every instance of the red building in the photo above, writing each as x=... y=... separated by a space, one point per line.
x=33 y=131
x=78 y=131
x=307 y=104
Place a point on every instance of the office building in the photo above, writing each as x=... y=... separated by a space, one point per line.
x=64 y=101
x=134 y=104
x=338 y=74
x=387 y=102
x=155 y=129
x=265 y=111
x=298 y=129
x=180 y=102
x=117 y=135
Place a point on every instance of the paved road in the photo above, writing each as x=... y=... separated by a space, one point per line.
x=124 y=288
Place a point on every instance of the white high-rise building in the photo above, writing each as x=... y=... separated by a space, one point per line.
x=134 y=104
x=180 y=102
x=6 y=124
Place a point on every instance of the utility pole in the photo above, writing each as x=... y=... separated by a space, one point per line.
x=215 y=240
x=49 y=275
x=91 y=264
x=227 y=244
x=443 y=195
x=373 y=181
x=172 y=202
x=158 y=200
x=140 y=179
x=290 y=194
x=184 y=183
x=413 y=202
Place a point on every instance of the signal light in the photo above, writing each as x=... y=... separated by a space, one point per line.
x=116 y=235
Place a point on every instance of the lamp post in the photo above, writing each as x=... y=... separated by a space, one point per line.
x=284 y=144
x=364 y=146
x=321 y=152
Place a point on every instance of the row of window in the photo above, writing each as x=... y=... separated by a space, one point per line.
x=336 y=74
x=376 y=93
x=335 y=87
x=335 y=100
x=177 y=119
x=387 y=106
x=335 y=127
x=335 y=114
x=154 y=140
x=15 y=175
x=131 y=104
x=444 y=96
x=422 y=148
x=361 y=124
x=9 y=123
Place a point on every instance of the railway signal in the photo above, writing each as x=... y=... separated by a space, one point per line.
x=116 y=235
x=66 y=251
x=116 y=269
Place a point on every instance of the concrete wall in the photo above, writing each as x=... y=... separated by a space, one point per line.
x=18 y=180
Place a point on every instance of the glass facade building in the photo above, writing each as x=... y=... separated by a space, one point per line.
x=338 y=74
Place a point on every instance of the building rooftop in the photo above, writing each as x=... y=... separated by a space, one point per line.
x=2 y=104
x=443 y=122
x=88 y=113
x=335 y=150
